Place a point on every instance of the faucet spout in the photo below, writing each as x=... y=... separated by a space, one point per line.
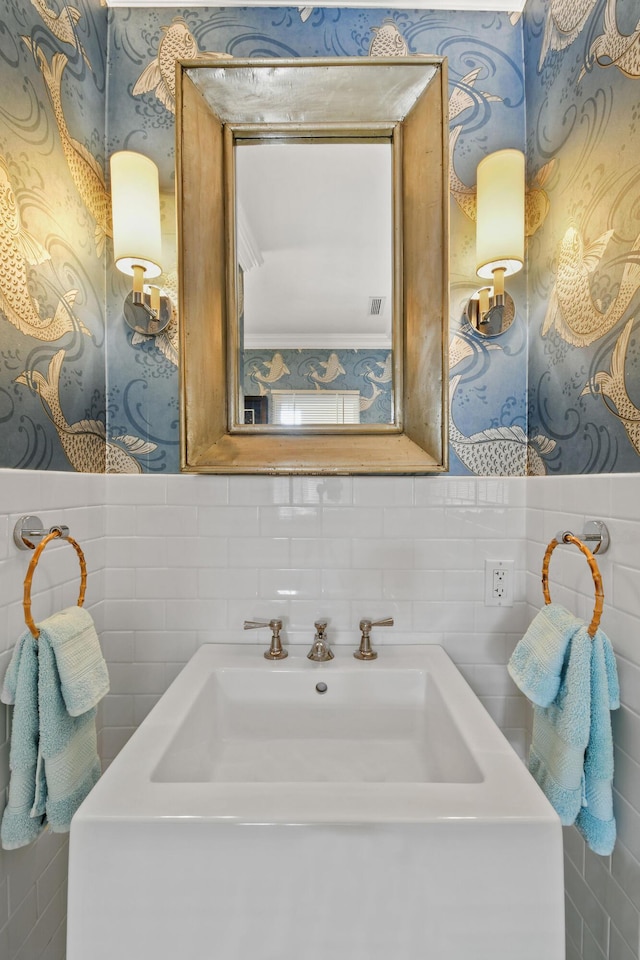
x=320 y=650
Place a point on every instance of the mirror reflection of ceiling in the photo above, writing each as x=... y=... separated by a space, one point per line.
x=315 y=242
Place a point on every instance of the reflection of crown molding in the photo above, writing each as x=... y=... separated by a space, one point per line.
x=315 y=341
x=249 y=254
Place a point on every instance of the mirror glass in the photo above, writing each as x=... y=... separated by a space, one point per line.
x=314 y=243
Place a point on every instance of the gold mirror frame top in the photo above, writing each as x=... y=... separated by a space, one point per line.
x=285 y=99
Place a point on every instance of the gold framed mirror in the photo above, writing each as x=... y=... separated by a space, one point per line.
x=234 y=111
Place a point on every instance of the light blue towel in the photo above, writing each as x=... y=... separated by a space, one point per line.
x=537 y=661
x=595 y=820
x=68 y=763
x=20 y=823
x=561 y=732
x=571 y=754
x=84 y=679
x=53 y=756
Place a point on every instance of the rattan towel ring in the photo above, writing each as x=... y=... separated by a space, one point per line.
x=595 y=572
x=29 y=577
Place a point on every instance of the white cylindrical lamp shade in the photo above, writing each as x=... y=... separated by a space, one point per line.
x=500 y=213
x=135 y=206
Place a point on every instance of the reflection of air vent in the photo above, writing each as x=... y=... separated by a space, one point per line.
x=376 y=306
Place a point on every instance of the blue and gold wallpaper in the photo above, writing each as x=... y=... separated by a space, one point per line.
x=80 y=391
x=583 y=141
x=54 y=229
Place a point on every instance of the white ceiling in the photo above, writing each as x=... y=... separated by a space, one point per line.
x=319 y=216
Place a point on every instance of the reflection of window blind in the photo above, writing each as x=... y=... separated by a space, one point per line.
x=315 y=406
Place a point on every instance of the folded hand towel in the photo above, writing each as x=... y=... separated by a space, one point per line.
x=53 y=757
x=83 y=673
x=561 y=732
x=595 y=820
x=571 y=755
x=68 y=745
x=537 y=662
x=20 y=823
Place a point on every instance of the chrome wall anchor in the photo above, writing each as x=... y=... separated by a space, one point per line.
x=28 y=532
x=595 y=536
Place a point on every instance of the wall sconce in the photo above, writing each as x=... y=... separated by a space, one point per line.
x=135 y=204
x=499 y=239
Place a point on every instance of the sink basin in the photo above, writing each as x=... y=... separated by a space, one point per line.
x=309 y=723
x=294 y=810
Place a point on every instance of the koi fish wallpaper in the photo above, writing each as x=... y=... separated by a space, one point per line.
x=54 y=223
x=80 y=391
x=582 y=64
x=370 y=372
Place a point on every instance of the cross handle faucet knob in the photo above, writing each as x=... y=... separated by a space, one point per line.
x=275 y=651
x=364 y=651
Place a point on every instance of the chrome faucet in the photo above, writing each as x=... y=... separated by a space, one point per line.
x=364 y=652
x=275 y=651
x=320 y=650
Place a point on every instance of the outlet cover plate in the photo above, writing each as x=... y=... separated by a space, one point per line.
x=499 y=578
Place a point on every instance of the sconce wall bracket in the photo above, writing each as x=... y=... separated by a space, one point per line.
x=142 y=318
x=496 y=319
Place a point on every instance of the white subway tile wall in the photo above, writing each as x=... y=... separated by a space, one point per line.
x=179 y=561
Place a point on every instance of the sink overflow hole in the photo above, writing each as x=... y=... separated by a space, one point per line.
x=321 y=687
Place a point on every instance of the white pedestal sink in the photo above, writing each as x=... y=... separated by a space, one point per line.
x=256 y=815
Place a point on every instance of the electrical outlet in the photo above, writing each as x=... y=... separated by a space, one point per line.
x=498 y=583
